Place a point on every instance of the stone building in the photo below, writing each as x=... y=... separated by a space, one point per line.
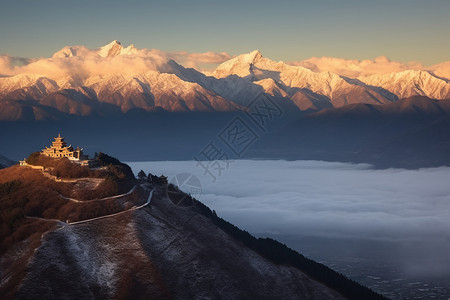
x=59 y=149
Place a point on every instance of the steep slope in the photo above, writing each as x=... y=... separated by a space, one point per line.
x=145 y=91
x=152 y=89
x=163 y=248
x=115 y=48
x=26 y=86
x=410 y=83
x=165 y=252
x=299 y=82
x=240 y=90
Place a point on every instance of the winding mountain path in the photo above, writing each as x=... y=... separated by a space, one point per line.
x=101 y=199
x=63 y=224
x=116 y=214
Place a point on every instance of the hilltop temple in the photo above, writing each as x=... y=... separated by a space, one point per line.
x=59 y=149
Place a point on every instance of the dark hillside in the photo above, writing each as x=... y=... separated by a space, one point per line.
x=409 y=133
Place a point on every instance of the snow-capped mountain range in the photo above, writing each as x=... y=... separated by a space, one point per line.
x=80 y=81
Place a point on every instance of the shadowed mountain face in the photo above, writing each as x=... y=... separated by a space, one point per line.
x=410 y=133
x=114 y=80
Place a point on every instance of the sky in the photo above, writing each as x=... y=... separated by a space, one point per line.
x=403 y=30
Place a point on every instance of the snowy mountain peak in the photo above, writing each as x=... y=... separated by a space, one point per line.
x=248 y=58
x=114 y=43
x=71 y=51
x=115 y=48
x=252 y=57
x=240 y=65
x=65 y=52
x=112 y=49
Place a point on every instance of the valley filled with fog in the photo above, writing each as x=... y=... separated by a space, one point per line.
x=388 y=229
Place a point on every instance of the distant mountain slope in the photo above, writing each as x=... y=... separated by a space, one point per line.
x=410 y=83
x=113 y=78
x=410 y=133
x=5 y=162
x=299 y=83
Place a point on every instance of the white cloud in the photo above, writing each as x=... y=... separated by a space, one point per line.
x=355 y=68
x=87 y=65
x=81 y=62
x=7 y=64
x=199 y=61
x=329 y=199
x=405 y=211
x=441 y=70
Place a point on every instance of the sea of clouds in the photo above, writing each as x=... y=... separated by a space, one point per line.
x=323 y=198
x=408 y=210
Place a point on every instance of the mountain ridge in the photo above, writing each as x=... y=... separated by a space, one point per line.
x=130 y=78
x=169 y=246
x=409 y=133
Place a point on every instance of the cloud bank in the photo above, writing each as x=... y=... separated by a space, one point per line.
x=355 y=68
x=441 y=70
x=199 y=61
x=325 y=199
x=81 y=62
x=402 y=216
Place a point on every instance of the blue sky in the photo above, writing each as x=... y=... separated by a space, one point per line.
x=403 y=30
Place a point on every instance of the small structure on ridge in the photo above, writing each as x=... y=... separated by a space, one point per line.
x=59 y=149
